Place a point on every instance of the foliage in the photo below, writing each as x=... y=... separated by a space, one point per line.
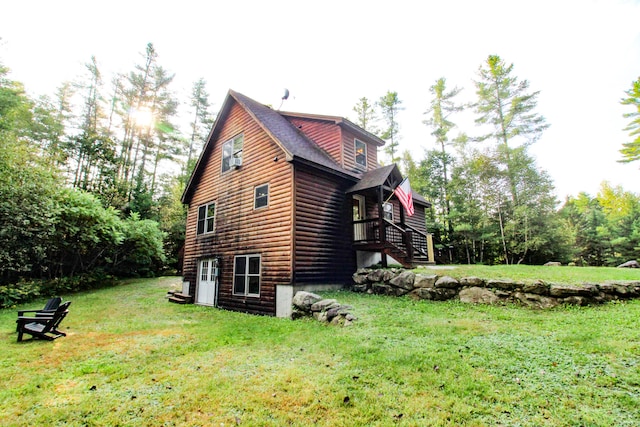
x=441 y=108
x=85 y=233
x=142 y=251
x=366 y=115
x=606 y=227
x=173 y=222
x=631 y=150
x=390 y=106
x=132 y=358
x=27 y=208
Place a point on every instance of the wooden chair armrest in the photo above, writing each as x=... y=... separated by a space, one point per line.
x=39 y=319
x=45 y=312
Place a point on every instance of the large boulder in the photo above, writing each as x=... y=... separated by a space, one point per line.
x=303 y=300
x=425 y=280
x=552 y=264
x=324 y=305
x=504 y=284
x=477 y=295
x=447 y=282
x=564 y=291
x=472 y=281
x=538 y=287
x=630 y=264
x=435 y=294
x=404 y=280
x=376 y=276
x=535 y=300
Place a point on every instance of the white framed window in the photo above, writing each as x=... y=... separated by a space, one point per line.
x=246 y=275
x=206 y=218
x=261 y=196
x=361 y=152
x=232 y=153
x=387 y=210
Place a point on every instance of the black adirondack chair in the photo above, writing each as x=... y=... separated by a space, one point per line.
x=44 y=326
x=48 y=309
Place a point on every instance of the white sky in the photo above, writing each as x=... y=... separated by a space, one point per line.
x=582 y=56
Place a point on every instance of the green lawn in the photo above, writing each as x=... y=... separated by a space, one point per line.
x=527 y=273
x=133 y=359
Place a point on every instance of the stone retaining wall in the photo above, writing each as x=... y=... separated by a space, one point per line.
x=537 y=294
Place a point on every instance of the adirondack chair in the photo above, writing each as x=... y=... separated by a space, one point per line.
x=44 y=326
x=48 y=309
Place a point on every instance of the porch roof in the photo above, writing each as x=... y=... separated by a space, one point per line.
x=387 y=177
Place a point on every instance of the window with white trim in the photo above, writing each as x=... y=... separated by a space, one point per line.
x=387 y=209
x=206 y=218
x=232 y=153
x=361 y=152
x=261 y=197
x=246 y=275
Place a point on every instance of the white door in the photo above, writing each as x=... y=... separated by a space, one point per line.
x=359 y=230
x=207 y=292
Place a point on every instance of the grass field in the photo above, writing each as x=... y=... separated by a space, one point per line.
x=527 y=273
x=132 y=359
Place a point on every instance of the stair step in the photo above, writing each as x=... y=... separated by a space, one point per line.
x=179 y=300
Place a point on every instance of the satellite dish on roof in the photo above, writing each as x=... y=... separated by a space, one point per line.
x=284 y=97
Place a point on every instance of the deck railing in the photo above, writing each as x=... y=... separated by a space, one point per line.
x=408 y=239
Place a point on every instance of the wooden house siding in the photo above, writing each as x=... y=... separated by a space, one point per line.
x=418 y=219
x=323 y=252
x=325 y=134
x=239 y=228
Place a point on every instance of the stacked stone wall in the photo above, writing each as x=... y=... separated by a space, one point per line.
x=537 y=294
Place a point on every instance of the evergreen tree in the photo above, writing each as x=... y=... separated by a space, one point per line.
x=441 y=108
x=366 y=115
x=506 y=107
x=200 y=124
x=390 y=106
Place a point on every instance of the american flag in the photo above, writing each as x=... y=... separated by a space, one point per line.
x=403 y=193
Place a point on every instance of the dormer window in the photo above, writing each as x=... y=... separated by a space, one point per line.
x=232 y=153
x=361 y=153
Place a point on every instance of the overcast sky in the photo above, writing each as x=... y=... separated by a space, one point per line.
x=581 y=56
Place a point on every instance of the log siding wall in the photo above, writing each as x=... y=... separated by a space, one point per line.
x=323 y=252
x=239 y=228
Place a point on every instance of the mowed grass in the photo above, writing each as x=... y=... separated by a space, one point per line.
x=133 y=359
x=528 y=273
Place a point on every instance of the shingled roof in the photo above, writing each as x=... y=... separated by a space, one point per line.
x=387 y=176
x=296 y=145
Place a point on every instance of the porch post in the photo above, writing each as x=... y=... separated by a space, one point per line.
x=382 y=227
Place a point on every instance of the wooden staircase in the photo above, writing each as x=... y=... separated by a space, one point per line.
x=405 y=244
x=403 y=258
x=179 y=298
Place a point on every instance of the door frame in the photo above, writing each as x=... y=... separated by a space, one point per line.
x=359 y=230
x=213 y=274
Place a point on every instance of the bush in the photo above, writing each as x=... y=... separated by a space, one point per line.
x=141 y=252
x=28 y=290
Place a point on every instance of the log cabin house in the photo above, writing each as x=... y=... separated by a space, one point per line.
x=279 y=202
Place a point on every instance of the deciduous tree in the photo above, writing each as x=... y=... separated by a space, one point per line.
x=631 y=150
